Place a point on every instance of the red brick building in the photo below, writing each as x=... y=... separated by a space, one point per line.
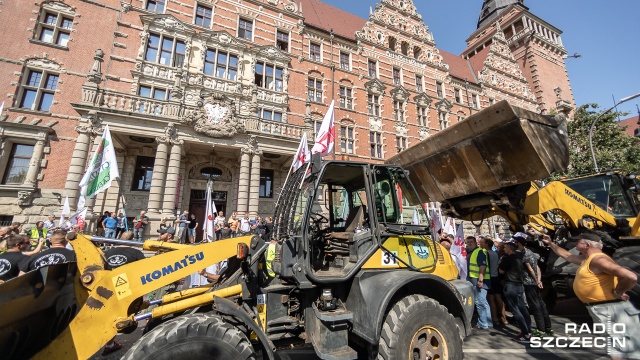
x=194 y=90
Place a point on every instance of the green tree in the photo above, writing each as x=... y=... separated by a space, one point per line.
x=614 y=149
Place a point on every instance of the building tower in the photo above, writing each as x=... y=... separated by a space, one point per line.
x=536 y=46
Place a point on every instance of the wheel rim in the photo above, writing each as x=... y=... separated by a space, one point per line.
x=428 y=344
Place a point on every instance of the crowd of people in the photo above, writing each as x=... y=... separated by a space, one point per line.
x=506 y=275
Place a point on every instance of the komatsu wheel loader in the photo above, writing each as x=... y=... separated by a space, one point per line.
x=351 y=270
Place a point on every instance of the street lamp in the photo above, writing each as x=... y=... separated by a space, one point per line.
x=593 y=125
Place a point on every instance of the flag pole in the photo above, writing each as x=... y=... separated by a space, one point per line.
x=285 y=183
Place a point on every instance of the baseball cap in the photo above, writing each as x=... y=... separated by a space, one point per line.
x=586 y=236
x=520 y=234
x=520 y=240
x=171 y=230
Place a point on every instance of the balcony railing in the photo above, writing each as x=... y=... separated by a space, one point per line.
x=130 y=104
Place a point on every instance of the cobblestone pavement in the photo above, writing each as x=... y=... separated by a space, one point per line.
x=489 y=345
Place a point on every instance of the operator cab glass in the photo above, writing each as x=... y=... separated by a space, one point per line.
x=606 y=192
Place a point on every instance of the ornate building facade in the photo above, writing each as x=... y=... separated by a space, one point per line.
x=222 y=90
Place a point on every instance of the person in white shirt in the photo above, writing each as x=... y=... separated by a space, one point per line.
x=245 y=224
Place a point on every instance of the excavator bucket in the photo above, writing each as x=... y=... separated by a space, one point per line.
x=35 y=308
x=496 y=148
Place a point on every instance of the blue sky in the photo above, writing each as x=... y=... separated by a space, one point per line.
x=605 y=33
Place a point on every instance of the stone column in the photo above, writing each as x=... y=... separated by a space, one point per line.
x=243 y=183
x=79 y=160
x=254 y=188
x=171 y=184
x=158 y=177
x=34 y=165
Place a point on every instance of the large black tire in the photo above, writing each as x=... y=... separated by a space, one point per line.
x=193 y=337
x=629 y=257
x=417 y=326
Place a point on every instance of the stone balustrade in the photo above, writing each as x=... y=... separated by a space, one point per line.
x=126 y=103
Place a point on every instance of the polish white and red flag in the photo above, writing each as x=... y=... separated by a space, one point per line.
x=326 y=137
x=302 y=155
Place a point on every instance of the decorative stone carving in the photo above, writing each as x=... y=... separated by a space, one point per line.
x=95 y=75
x=194 y=171
x=25 y=198
x=401 y=128
x=92 y=126
x=215 y=116
x=375 y=124
x=251 y=147
x=444 y=105
x=423 y=100
x=399 y=93
x=424 y=132
x=176 y=90
x=375 y=86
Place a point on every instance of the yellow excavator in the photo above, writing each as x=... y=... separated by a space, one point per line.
x=351 y=267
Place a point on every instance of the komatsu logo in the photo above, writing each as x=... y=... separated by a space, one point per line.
x=157 y=274
x=579 y=199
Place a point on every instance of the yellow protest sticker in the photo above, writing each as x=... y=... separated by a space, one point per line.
x=121 y=285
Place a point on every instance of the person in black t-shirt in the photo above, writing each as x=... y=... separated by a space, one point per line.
x=57 y=254
x=511 y=268
x=116 y=257
x=10 y=260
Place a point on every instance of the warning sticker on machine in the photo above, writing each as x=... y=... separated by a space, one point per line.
x=121 y=285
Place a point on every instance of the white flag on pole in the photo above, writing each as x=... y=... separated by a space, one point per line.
x=449 y=226
x=1 y=108
x=459 y=252
x=436 y=225
x=65 y=210
x=415 y=218
x=79 y=218
x=326 y=137
x=102 y=169
x=302 y=155
x=209 y=216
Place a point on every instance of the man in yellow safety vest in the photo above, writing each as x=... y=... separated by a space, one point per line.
x=480 y=276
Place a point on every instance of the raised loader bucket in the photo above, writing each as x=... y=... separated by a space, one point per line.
x=35 y=308
x=498 y=147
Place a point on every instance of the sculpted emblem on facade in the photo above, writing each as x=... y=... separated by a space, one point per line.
x=215 y=116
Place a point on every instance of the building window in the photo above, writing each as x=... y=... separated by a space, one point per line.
x=439 y=89
x=442 y=120
x=314 y=52
x=373 y=69
x=203 y=16
x=347 y=139
x=266 y=183
x=405 y=48
x=373 y=104
x=38 y=89
x=268 y=76
x=344 y=61
x=423 y=119
x=221 y=64
x=245 y=29
x=398 y=110
x=458 y=95
x=165 y=50
x=55 y=28
x=346 y=98
x=492 y=101
x=155 y=6
x=282 y=40
x=270 y=115
x=417 y=52
x=6 y=220
x=396 y=76
x=375 y=140
x=401 y=143
x=314 y=89
x=152 y=93
x=16 y=172
x=474 y=98
x=392 y=43
x=418 y=83
x=142 y=174
x=316 y=127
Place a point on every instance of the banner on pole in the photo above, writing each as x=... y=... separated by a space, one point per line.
x=102 y=169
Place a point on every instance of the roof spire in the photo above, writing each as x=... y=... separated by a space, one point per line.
x=492 y=8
